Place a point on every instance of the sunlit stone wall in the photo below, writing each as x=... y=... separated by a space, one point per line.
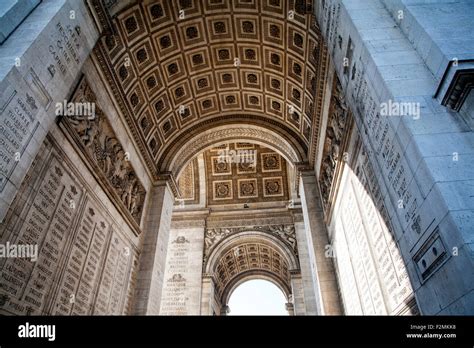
x=372 y=275
x=391 y=56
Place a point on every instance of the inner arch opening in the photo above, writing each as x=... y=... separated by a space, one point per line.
x=257 y=297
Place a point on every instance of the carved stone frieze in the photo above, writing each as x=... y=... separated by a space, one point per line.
x=96 y=140
x=249 y=220
x=187 y=223
x=336 y=135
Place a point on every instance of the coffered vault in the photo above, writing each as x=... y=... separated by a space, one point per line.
x=347 y=209
x=179 y=67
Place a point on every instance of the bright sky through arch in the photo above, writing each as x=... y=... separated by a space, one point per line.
x=257 y=297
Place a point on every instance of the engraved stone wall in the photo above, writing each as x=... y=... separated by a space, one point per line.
x=422 y=157
x=86 y=258
x=373 y=277
x=40 y=62
x=182 y=283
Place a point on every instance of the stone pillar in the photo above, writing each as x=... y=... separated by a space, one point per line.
x=207 y=295
x=297 y=299
x=183 y=260
x=154 y=246
x=290 y=308
x=317 y=237
x=308 y=278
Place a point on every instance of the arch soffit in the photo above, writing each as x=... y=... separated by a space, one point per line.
x=243 y=237
x=219 y=135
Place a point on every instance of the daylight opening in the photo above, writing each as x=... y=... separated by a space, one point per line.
x=257 y=297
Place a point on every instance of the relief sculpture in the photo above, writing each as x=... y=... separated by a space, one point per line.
x=98 y=141
x=335 y=135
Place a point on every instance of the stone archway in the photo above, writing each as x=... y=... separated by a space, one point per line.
x=233 y=256
x=211 y=225
x=200 y=288
x=183 y=152
x=284 y=144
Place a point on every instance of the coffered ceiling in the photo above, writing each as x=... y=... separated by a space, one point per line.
x=260 y=175
x=248 y=257
x=236 y=173
x=174 y=65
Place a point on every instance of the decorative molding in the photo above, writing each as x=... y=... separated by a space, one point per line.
x=201 y=141
x=213 y=236
x=320 y=96
x=188 y=183
x=188 y=223
x=249 y=220
x=459 y=88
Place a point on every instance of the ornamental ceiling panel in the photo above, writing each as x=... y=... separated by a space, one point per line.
x=245 y=173
x=188 y=183
x=248 y=257
x=175 y=64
